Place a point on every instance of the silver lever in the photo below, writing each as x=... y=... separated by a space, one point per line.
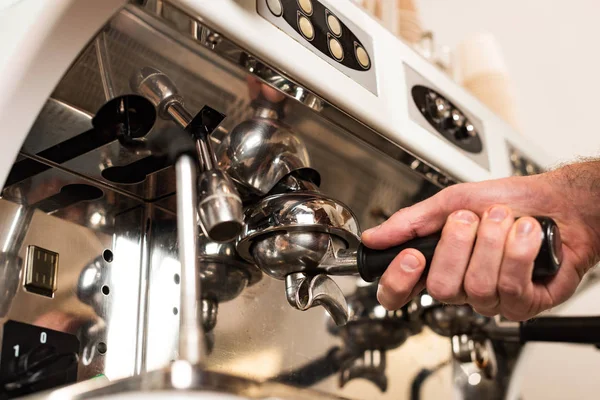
x=219 y=206
x=304 y=292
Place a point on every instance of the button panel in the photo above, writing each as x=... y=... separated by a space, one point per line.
x=320 y=28
x=440 y=115
x=521 y=165
x=447 y=119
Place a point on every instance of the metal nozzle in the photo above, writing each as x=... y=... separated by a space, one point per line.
x=220 y=206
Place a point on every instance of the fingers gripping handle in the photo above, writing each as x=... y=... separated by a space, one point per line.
x=373 y=263
x=561 y=329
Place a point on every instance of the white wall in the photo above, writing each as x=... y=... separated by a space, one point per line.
x=553 y=54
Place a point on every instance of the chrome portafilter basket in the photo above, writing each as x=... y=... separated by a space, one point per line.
x=289 y=235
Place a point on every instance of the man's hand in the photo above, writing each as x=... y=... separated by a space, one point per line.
x=485 y=256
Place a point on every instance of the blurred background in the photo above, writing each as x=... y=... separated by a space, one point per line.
x=535 y=63
x=538 y=60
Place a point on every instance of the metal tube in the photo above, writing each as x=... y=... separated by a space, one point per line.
x=182 y=117
x=191 y=334
x=18 y=226
x=179 y=114
x=104 y=66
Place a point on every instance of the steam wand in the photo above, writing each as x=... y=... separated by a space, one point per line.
x=219 y=206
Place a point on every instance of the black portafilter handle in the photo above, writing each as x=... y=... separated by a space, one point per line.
x=373 y=263
x=585 y=330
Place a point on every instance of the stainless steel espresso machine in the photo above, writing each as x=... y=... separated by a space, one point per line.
x=185 y=185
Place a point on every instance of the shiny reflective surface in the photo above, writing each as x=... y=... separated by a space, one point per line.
x=79 y=306
x=370 y=332
x=453 y=320
x=257 y=335
x=11 y=267
x=280 y=254
x=219 y=206
x=305 y=291
x=259 y=152
x=191 y=332
x=184 y=380
x=298 y=212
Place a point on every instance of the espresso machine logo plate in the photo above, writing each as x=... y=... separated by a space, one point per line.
x=328 y=34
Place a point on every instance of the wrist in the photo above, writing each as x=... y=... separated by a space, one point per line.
x=579 y=186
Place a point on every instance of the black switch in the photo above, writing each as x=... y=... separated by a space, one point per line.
x=33 y=359
x=41 y=270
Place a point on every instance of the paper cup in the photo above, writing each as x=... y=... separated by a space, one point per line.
x=480 y=55
x=409 y=26
x=497 y=92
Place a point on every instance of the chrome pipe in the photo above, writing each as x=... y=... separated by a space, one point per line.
x=191 y=333
x=104 y=66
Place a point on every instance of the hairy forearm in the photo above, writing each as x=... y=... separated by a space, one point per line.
x=579 y=186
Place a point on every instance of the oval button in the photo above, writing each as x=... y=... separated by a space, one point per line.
x=334 y=25
x=306 y=6
x=275 y=7
x=336 y=49
x=362 y=57
x=306 y=28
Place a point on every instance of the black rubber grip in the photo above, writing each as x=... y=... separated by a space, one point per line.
x=373 y=263
x=561 y=329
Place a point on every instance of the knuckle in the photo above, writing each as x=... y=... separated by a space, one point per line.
x=514 y=316
x=393 y=286
x=510 y=287
x=456 y=195
x=520 y=255
x=486 y=312
x=441 y=290
x=480 y=289
x=491 y=237
x=458 y=236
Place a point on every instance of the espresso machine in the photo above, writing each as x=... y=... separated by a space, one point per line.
x=185 y=183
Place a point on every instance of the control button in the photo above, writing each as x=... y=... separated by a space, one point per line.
x=334 y=25
x=306 y=28
x=275 y=7
x=306 y=6
x=458 y=118
x=438 y=107
x=470 y=129
x=41 y=270
x=336 y=49
x=362 y=57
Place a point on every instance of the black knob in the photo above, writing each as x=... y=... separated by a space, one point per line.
x=41 y=368
x=373 y=263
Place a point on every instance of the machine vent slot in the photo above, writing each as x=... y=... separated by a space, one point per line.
x=135 y=172
x=59 y=153
x=68 y=195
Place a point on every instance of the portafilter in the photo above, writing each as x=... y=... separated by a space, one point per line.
x=303 y=237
